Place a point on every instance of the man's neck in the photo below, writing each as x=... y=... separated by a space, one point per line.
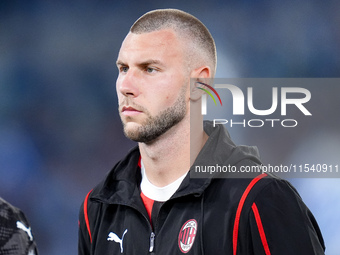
x=168 y=157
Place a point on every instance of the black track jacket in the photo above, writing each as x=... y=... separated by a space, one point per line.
x=229 y=216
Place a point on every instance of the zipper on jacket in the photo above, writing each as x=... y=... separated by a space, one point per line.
x=152 y=242
x=152 y=236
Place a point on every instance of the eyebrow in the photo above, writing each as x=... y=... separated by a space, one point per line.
x=151 y=62
x=144 y=63
x=120 y=63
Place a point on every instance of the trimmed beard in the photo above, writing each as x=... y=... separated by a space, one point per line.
x=155 y=126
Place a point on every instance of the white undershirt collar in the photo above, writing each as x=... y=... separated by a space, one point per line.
x=160 y=194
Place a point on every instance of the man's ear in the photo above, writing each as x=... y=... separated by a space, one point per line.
x=202 y=76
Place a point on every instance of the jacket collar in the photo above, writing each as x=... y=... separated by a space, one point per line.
x=122 y=183
x=220 y=149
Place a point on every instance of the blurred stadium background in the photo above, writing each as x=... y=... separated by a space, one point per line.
x=59 y=127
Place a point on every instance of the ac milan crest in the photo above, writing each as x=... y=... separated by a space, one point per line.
x=187 y=235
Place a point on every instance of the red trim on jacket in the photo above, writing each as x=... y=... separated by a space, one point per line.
x=239 y=209
x=260 y=228
x=86 y=216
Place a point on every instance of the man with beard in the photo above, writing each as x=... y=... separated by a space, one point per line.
x=148 y=203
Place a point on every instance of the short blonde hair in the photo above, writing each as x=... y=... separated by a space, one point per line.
x=202 y=45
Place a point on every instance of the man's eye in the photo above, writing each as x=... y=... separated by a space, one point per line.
x=150 y=70
x=124 y=69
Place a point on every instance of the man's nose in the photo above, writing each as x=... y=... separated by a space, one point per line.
x=127 y=83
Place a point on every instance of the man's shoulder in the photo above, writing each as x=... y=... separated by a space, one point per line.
x=15 y=231
x=9 y=212
x=123 y=170
x=256 y=187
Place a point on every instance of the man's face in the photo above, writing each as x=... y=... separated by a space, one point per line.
x=152 y=85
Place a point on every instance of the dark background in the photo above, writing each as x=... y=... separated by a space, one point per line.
x=60 y=132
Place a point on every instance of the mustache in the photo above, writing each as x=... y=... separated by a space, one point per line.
x=129 y=103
